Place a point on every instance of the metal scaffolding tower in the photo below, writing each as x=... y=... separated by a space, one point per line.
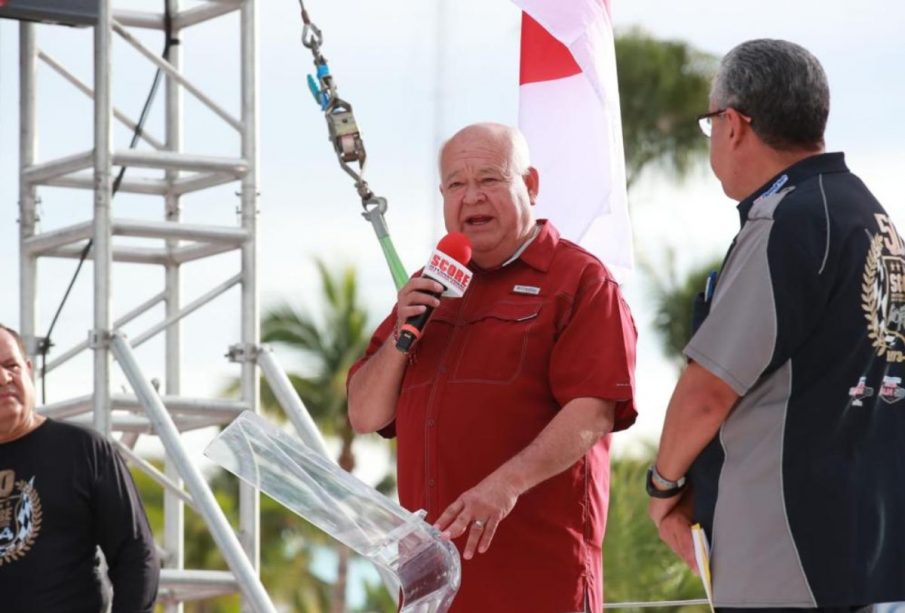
x=124 y=417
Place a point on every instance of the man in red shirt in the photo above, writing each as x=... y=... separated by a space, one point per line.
x=503 y=408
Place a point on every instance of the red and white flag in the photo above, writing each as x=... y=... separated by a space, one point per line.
x=569 y=112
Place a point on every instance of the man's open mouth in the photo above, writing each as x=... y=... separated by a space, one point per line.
x=478 y=220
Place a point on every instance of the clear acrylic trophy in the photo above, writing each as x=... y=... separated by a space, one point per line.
x=423 y=567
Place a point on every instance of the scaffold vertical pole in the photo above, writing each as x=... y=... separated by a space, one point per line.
x=173 y=506
x=249 y=498
x=28 y=264
x=103 y=252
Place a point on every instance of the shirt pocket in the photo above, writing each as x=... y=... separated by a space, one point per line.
x=496 y=342
x=430 y=351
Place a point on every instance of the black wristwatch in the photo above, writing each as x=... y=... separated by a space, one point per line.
x=660 y=487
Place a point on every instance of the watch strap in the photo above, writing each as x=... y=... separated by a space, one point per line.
x=660 y=487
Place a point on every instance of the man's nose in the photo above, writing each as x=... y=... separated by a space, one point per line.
x=5 y=377
x=473 y=194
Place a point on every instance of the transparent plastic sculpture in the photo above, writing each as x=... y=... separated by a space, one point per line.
x=426 y=567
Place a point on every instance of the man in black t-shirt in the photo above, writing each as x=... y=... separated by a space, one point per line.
x=64 y=492
x=789 y=420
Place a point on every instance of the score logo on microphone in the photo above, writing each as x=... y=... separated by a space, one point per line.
x=450 y=273
x=446 y=267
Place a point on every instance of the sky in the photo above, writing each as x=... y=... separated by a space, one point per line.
x=414 y=72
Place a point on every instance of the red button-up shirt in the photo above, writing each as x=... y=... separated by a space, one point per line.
x=491 y=371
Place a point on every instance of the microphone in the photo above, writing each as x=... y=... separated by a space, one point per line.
x=447 y=266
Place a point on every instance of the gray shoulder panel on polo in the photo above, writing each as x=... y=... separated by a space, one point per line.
x=738 y=337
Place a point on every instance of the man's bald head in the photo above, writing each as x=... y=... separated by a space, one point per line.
x=508 y=139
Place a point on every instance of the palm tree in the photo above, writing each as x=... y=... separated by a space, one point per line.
x=636 y=562
x=663 y=86
x=674 y=297
x=328 y=347
x=637 y=565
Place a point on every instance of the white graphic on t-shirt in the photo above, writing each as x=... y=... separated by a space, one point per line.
x=883 y=292
x=20 y=516
x=891 y=391
x=860 y=392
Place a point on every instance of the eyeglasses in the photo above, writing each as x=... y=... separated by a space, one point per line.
x=705 y=121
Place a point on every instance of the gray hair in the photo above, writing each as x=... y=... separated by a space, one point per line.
x=781 y=86
x=520 y=158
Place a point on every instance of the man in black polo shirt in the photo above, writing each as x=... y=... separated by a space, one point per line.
x=789 y=420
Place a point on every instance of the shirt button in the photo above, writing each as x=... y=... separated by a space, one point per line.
x=430 y=422
x=431 y=483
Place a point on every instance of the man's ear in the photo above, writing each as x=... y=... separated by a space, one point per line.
x=739 y=126
x=532 y=182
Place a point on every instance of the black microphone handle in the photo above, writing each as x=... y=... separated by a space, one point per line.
x=407 y=337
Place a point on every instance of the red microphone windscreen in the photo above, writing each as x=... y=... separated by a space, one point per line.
x=457 y=246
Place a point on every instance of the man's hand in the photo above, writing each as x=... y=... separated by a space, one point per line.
x=659 y=508
x=414 y=298
x=478 y=511
x=575 y=429
x=673 y=518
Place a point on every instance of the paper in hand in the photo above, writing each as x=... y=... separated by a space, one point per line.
x=702 y=558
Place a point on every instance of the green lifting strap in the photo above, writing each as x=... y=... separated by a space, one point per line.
x=347 y=143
